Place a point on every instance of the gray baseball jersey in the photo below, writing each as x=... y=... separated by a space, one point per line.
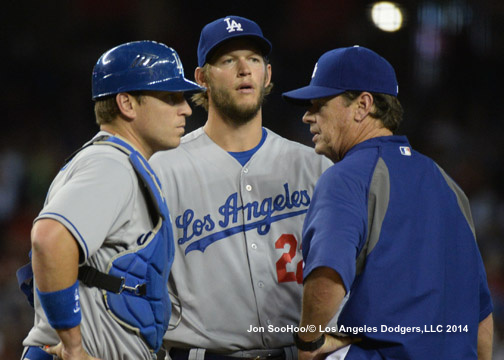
x=238 y=267
x=98 y=199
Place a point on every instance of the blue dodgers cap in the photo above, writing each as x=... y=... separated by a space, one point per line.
x=352 y=68
x=229 y=27
x=140 y=65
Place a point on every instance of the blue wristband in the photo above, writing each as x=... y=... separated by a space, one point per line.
x=62 y=307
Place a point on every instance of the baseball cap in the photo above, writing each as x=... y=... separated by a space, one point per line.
x=229 y=27
x=344 y=69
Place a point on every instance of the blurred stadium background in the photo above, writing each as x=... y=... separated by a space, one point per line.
x=448 y=56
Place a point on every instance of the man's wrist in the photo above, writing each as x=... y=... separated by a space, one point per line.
x=308 y=345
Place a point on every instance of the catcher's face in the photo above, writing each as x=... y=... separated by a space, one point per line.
x=160 y=120
x=237 y=79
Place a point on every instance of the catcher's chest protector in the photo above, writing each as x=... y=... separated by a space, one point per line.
x=143 y=304
x=135 y=286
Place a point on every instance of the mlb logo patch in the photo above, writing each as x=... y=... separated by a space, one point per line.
x=405 y=150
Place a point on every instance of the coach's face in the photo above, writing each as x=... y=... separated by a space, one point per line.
x=237 y=79
x=332 y=122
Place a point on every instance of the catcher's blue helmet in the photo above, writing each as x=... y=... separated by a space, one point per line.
x=140 y=65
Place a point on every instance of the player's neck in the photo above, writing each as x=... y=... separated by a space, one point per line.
x=233 y=137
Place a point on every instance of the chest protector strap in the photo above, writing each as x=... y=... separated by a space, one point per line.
x=141 y=302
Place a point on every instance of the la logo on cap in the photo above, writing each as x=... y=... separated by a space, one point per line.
x=232 y=25
x=179 y=64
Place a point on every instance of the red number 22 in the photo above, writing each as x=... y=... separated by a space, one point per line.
x=281 y=265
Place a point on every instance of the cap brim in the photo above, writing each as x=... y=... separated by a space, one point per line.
x=302 y=96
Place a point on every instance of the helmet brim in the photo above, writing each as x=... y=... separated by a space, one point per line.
x=169 y=85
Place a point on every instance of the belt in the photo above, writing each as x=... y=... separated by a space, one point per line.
x=279 y=354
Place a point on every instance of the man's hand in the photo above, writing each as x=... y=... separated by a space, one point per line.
x=331 y=344
x=69 y=354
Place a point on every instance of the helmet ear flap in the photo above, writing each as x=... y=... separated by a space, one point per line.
x=139 y=65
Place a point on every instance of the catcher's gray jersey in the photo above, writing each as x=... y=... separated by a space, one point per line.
x=238 y=265
x=98 y=199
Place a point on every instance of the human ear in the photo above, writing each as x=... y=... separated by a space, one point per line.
x=125 y=104
x=364 y=104
x=268 y=75
x=199 y=76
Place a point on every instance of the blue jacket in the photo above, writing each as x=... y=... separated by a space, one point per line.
x=399 y=232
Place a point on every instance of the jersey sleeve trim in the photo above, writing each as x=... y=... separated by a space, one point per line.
x=71 y=227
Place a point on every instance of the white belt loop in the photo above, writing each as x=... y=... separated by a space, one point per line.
x=196 y=354
x=291 y=353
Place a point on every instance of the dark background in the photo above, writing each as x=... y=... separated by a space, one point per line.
x=448 y=59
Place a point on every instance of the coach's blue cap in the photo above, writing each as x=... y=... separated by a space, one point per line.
x=351 y=68
x=229 y=27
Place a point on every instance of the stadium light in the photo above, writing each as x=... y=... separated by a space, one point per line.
x=387 y=16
